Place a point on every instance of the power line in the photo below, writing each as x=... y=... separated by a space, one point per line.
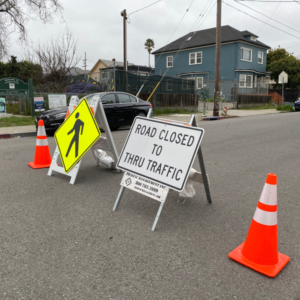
x=171 y=38
x=143 y=8
x=269 y=19
x=274 y=14
x=261 y=20
x=264 y=1
x=267 y=16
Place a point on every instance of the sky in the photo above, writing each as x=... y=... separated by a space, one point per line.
x=98 y=25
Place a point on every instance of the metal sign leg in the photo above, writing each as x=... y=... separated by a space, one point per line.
x=203 y=172
x=157 y=216
x=120 y=195
x=202 y=166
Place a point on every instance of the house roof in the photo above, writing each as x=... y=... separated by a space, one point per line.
x=78 y=71
x=208 y=37
x=109 y=63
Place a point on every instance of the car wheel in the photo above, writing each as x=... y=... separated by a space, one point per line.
x=141 y=114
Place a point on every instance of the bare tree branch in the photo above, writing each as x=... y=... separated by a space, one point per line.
x=14 y=14
x=56 y=56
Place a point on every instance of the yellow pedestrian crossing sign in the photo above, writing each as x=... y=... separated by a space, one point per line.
x=76 y=135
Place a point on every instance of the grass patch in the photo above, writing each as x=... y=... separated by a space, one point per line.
x=286 y=107
x=168 y=111
x=258 y=107
x=207 y=100
x=16 y=121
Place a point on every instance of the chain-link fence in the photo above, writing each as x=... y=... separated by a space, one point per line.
x=131 y=82
x=239 y=92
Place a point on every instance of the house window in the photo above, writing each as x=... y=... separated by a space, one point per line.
x=253 y=38
x=246 y=54
x=260 y=57
x=104 y=75
x=169 y=85
x=195 y=58
x=95 y=78
x=184 y=84
x=246 y=81
x=199 y=83
x=190 y=85
x=169 y=61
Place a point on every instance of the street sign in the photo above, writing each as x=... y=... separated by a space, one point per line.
x=77 y=135
x=161 y=151
x=57 y=100
x=283 y=76
x=2 y=105
x=13 y=86
x=39 y=103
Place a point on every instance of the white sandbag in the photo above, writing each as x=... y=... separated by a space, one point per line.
x=104 y=159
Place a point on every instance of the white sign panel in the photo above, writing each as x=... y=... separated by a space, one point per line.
x=283 y=76
x=145 y=186
x=161 y=151
x=56 y=101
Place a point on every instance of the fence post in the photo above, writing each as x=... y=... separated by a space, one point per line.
x=30 y=92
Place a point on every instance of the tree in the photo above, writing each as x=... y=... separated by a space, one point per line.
x=275 y=55
x=57 y=57
x=14 y=14
x=149 y=45
x=279 y=60
x=22 y=70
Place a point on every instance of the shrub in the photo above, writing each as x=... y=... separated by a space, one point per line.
x=83 y=88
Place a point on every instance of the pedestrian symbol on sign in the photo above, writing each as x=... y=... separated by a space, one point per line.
x=75 y=138
x=80 y=131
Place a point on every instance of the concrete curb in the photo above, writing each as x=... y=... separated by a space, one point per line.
x=13 y=135
x=217 y=118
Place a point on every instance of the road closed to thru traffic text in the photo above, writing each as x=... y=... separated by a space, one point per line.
x=161 y=151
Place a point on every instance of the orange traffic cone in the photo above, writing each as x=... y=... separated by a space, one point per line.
x=260 y=250
x=42 y=158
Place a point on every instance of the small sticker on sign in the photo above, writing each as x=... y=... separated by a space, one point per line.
x=145 y=186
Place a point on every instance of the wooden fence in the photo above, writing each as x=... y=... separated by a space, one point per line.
x=172 y=100
x=244 y=100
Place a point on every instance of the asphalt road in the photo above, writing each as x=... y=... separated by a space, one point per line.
x=60 y=241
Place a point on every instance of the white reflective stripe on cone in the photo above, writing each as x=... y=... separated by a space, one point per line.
x=41 y=131
x=42 y=142
x=269 y=194
x=265 y=217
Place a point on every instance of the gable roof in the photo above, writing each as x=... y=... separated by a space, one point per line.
x=208 y=37
x=109 y=63
x=77 y=71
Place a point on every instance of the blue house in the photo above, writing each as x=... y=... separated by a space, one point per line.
x=243 y=58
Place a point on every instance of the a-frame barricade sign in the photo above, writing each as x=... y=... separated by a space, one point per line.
x=71 y=167
x=158 y=155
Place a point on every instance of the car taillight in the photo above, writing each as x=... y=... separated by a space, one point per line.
x=150 y=104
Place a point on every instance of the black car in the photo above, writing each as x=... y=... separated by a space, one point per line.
x=120 y=109
x=297 y=104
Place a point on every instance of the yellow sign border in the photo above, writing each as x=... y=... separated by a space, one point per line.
x=98 y=129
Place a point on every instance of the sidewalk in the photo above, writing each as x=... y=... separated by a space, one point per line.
x=8 y=132
x=11 y=132
x=230 y=112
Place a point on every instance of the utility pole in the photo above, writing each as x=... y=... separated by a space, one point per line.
x=218 y=56
x=84 y=65
x=124 y=15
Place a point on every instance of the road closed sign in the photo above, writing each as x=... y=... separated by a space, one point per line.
x=161 y=151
